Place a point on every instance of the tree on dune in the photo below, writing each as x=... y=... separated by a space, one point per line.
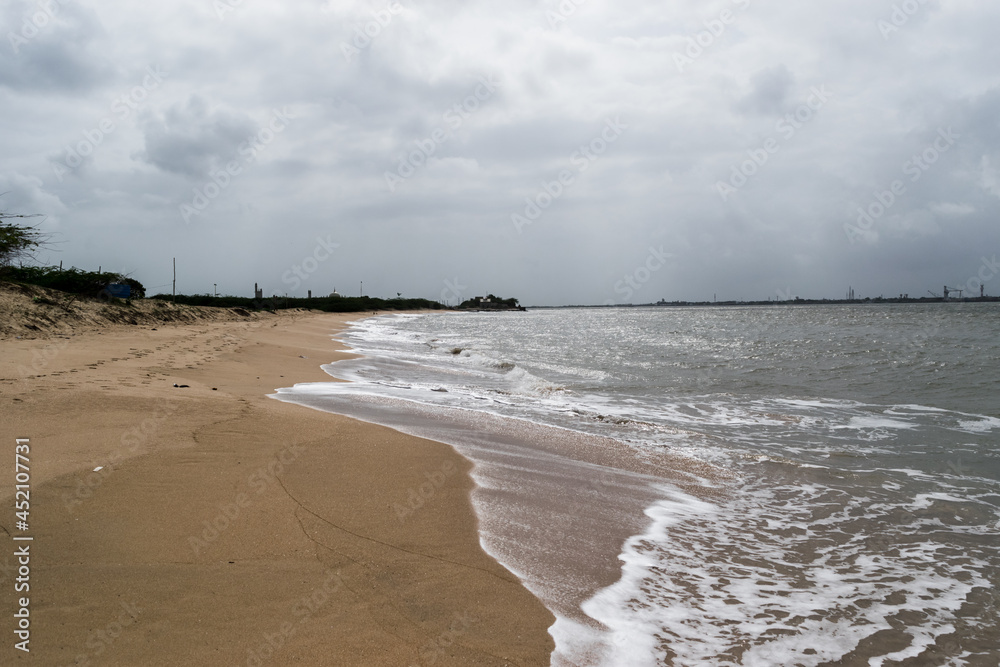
x=18 y=242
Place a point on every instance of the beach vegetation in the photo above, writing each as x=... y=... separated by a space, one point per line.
x=18 y=242
x=72 y=280
x=330 y=304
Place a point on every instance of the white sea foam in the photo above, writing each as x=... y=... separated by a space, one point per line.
x=877 y=423
x=982 y=425
x=697 y=585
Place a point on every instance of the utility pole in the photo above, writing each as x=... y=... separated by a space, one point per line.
x=175 y=281
x=362 y=288
x=215 y=288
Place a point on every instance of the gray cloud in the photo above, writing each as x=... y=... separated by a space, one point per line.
x=53 y=47
x=770 y=89
x=192 y=139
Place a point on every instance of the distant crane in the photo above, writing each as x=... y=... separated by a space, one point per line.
x=947 y=292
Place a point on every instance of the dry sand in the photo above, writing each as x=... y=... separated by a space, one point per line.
x=229 y=528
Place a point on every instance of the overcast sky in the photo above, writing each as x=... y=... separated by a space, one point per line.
x=560 y=153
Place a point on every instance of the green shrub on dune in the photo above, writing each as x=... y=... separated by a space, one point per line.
x=72 y=281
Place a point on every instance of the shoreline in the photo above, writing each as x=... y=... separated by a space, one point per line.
x=225 y=526
x=556 y=506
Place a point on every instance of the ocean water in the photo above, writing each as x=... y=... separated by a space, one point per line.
x=802 y=485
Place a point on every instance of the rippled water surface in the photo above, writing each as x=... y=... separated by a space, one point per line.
x=853 y=515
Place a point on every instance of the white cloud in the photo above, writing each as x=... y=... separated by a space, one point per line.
x=989 y=177
x=952 y=210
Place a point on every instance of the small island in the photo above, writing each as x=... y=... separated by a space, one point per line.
x=490 y=302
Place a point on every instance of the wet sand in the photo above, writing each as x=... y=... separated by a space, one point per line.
x=229 y=528
x=555 y=506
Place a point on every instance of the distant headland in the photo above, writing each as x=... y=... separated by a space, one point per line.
x=489 y=302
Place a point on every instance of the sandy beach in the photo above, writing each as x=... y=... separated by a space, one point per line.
x=210 y=524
